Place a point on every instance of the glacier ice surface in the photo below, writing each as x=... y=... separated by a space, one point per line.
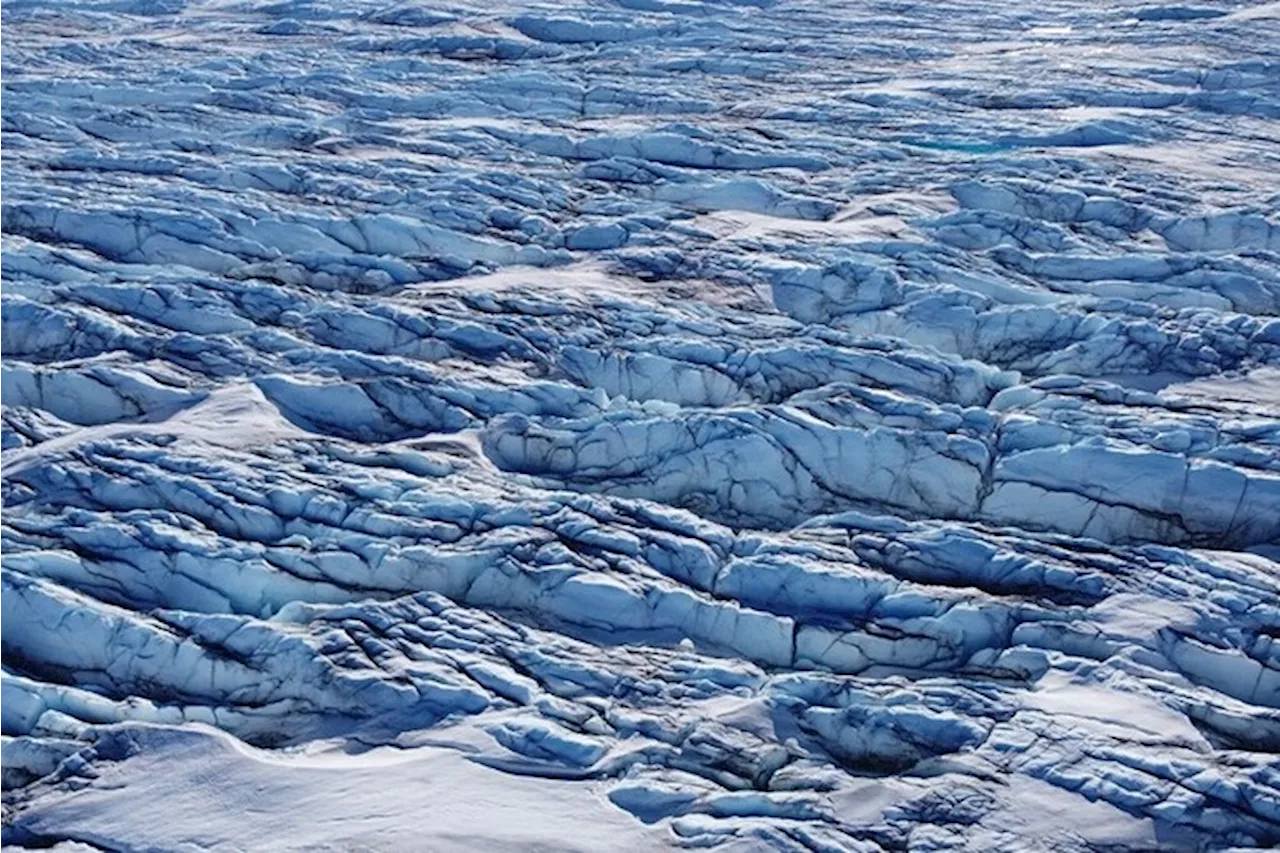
x=641 y=424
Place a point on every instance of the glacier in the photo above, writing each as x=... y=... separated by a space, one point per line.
x=640 y=424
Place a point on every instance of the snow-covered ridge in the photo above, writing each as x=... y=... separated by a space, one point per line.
x=756 y=424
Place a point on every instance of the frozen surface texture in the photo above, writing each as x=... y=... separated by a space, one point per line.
x=636 y=424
